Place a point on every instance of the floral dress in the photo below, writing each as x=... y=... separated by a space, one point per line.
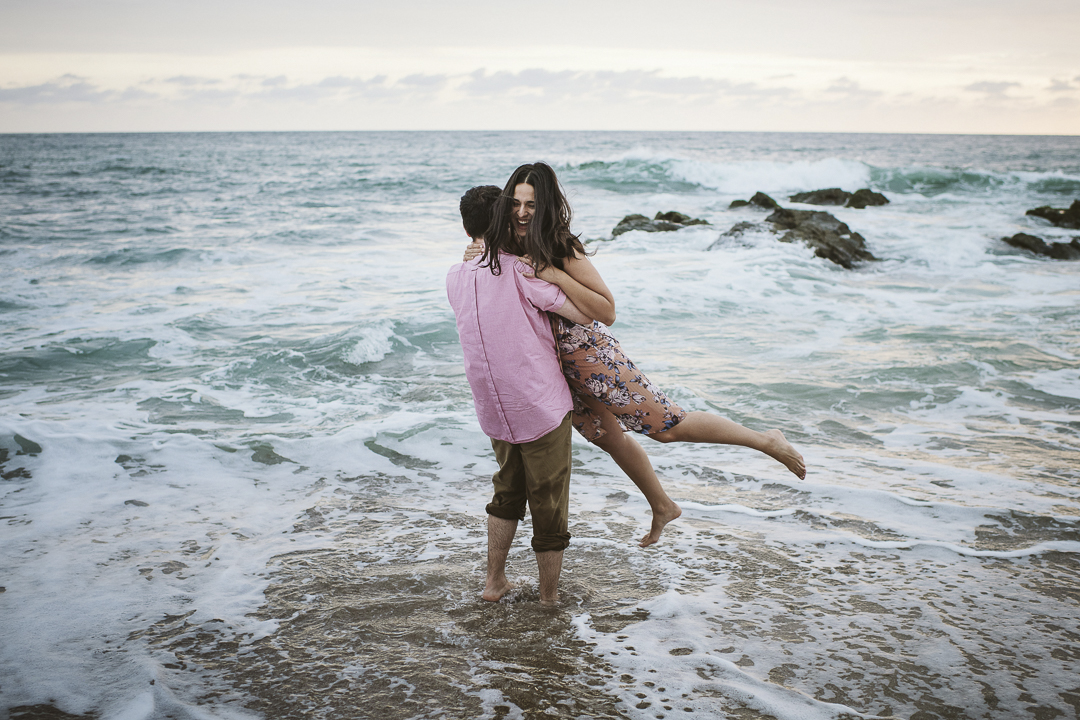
x=603 y=380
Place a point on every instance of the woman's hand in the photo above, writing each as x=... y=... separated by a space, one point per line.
x=475 y=249
x=549 y=274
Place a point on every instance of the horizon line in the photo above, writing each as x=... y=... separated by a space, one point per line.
x=517 y=130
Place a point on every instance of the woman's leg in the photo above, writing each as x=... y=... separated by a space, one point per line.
x=632 y=459
x=703 y=427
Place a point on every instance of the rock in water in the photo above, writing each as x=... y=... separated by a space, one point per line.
x=835 y=196
x=1066 y=218
x=830 y=238
x=739 y=228
x=862 y=198
x=663 y=222
x=760 y=199
x=828 y=196
x=640 y=222
x=1056 y=250
x=680 y=219
x=734 y=232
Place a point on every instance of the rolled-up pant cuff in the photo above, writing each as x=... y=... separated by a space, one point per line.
x=505 y=513
x=550 y=543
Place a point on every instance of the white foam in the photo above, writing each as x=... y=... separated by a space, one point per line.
x=740 y=509
x=746 y=178
x=374 y=344
x=1061 y=546
x=1061 y=383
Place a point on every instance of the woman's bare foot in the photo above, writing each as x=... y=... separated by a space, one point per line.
x=659 y=521
x=783 y=452
x=494 y=591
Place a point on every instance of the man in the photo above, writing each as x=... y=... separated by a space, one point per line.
x=522 y=400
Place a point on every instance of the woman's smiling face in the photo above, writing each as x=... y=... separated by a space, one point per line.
x=524 y=206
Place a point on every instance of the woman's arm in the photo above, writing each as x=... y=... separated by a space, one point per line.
x=583 y=285
x=570 y=311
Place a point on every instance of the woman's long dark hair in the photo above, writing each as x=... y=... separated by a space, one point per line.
x=548 y=240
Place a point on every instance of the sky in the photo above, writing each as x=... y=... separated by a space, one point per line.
x=916 y=66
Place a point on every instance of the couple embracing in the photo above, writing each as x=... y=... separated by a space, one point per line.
x=531 y=311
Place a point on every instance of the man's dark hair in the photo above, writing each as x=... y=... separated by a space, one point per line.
x=548 y=240
x=475 y=208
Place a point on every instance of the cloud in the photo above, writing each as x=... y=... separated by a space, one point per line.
x=695 y=86
x=136 y=94
x=349 y=88
x=502 y=83
x=190 y=81
x=187 y=88
x=338 y=81
x=605 y=85
x=847 y=86
x=996 y=89
x=212 y=95
x=67 y=88
x=433 y=82
x=616 y=95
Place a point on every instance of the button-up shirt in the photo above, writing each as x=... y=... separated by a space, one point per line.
x=510 y=357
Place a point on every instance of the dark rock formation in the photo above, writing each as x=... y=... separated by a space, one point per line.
x=1069 y=218
x=760 y=199
x=861 y=198
x=830 y=238
x=640 y=222
x=739 y=228
x=663 y=222
x=835 y=196
x=680 y=219
x=828 y=196
x=1056 y=250
x=734 y=233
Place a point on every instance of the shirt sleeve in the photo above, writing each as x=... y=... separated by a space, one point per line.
x=542 y=294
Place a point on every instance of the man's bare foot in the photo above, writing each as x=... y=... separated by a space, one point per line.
x=659 y=522
x=782 y=451
x=494 y=591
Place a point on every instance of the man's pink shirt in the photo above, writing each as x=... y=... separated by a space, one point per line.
x=510 y=356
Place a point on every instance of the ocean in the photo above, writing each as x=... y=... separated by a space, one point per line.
x=242 y=476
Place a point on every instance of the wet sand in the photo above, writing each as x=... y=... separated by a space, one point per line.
x=718 y=620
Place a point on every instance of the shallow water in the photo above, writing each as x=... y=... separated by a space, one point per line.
x=242 y=476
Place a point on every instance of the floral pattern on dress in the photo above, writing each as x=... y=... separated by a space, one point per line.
x=603 y=380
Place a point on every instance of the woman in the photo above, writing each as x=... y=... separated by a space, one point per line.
x=531 y=219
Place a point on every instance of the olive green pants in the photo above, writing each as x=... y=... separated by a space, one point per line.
x=536 y=473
